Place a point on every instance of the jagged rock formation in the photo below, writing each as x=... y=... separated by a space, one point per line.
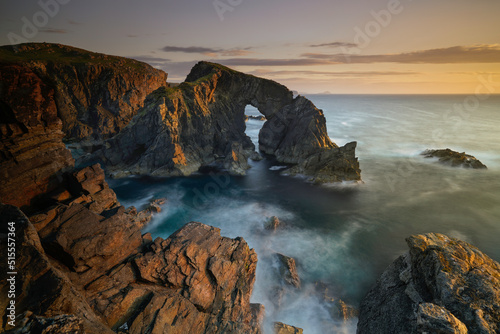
x=84 y=267
x=96 y=95
x=455 y=159
x=201 y=122
x=41 y=287
x=443 y=285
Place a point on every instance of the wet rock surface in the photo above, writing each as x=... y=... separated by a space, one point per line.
x=443 y=285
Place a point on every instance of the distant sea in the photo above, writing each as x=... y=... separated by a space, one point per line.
x=346 y=234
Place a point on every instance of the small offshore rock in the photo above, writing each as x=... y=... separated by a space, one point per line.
x=288 y=270
x=272 y=224
x=455 y=159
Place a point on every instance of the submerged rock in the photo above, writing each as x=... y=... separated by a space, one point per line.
x=443 y=285
x=338 y=308
x=288 y=270
x=258 y=118
x=455 y=159
x=273 y=224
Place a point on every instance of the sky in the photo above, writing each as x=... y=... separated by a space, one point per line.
x=315 y=46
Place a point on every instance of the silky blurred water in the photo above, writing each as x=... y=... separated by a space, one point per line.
x=344 y=235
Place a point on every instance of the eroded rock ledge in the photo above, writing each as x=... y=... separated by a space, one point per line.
x=443 y=285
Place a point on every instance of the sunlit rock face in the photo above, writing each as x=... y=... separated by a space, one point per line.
x=443 y=285
x=201 y=123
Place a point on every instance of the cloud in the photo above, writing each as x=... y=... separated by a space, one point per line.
x=189 y=49
x=150 y=58
x=333 y=74
x=451 y=55
x=456 y=55
x=132 y=36
x=335 y=44
x=54 y=31
x=73 y=22
x=274 y=62
x=211 y=52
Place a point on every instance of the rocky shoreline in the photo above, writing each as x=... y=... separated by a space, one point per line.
x=84 y=265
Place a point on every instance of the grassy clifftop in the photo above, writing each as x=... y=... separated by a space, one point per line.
x=63 y=54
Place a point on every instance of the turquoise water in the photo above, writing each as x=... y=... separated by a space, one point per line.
x=345 y=235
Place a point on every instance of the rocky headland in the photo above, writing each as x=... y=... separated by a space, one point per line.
x=454 y=159
x=124 y=115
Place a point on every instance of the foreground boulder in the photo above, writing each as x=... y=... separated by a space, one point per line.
x=443 y=285
x=455 y=159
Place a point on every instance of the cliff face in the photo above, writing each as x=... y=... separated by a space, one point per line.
x=201 y=122
x=443 y=285
x=96 y=95
x=41 y=84
x=32 y=154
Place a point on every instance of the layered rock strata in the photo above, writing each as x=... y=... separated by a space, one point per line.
x=443 y=285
